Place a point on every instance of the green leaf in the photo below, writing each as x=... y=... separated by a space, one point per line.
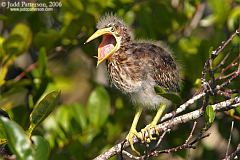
x=19 y=40
x=98 y=107
x=3 y=138
x=159 y=90
x=18 y=141
x=2 y=135
x=1 y=48
x=63 y=118
x=79 y=115
x=220 y=10
x=42 y=61
x=210 y=51
x=233 y=19
x=231 y=112
x=3 y=73
x=237 y=109
x=2 y=17
x=42 y=109
x=41 y=148
x=11 y=45
x=41 y=75
x=74 y=5
x=46 y=39
x=209 y=114
x=173 y=97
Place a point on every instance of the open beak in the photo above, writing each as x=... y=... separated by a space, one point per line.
x=108 y=46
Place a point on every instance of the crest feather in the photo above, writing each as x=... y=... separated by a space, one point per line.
x=109 y=18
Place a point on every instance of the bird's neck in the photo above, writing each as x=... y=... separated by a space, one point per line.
x=126 y=43
x=126 y=39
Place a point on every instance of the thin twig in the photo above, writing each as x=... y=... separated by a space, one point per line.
x=28 y=69
x=214 y=54
x=32 y=66
x=199 y=138
x=178 y=148
x=235 y=155
x=224 y=84
x=161 y=138
x=191 y=133
x=221 y=47
x=232 y=116
x=227 y=76
x=196 y=18
x=232 y=64
x=224 y=93
x=164 y=133
x=229 y=140
x=222 y=63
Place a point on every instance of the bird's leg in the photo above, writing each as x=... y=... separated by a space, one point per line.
x=153 y=124
x=133 y=130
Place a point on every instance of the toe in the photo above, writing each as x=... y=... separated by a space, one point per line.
x=148 y=138
x=129 y=138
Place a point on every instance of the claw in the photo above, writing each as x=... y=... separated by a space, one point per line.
x=133 y=132
x=152 y=125
x=149 y=136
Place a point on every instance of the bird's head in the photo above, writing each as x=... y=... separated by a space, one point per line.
x=115 y=35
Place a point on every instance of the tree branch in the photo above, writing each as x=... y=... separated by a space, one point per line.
x=224 y=105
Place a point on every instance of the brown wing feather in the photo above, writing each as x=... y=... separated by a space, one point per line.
x=159 y=63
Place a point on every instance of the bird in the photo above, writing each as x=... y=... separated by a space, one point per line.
x=135 y=67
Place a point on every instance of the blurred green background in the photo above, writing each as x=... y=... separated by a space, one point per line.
x=44 y=51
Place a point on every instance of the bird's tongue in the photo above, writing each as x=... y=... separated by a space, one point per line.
x=106 y=46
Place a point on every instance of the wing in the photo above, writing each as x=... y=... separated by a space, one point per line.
x=159 y=64
x=166 y=73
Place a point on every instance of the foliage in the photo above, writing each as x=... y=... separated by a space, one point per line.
x=42 y=53
x=21 y=143
x=209 y=114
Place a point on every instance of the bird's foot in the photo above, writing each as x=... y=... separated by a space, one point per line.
x=133 y=132
x=146 y=132
x=147 y=136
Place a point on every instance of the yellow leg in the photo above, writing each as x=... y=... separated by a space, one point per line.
x=153 y=124
x=133 y=130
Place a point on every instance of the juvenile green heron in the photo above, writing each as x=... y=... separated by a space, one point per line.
x=135 y=68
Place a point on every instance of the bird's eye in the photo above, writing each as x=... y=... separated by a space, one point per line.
x=113 y=29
